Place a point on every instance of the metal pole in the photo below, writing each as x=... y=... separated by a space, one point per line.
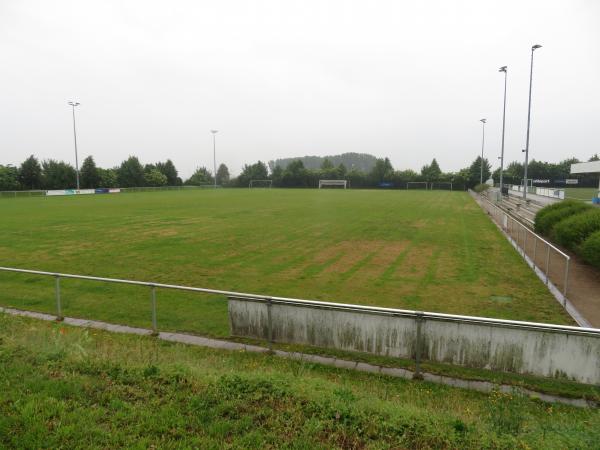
x=214 y=133
x=528 y=123
x=153 y=301
x=419 y=320
x=503 y=69
x=270 y=323
x=566 y=281
x=73 y=105
x=547 y=261
x=59 y=316
x=482 y=147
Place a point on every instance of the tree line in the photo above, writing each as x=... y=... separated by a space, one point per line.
x=51 y=174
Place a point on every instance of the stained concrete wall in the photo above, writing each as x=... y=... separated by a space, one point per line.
x=519 y=347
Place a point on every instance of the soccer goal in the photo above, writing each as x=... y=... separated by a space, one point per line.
x=416 y=185
x=333 y=183
x=443 y=185
x=260 y=184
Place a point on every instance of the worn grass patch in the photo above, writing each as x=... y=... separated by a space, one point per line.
x=65 y=387
x=432 y=251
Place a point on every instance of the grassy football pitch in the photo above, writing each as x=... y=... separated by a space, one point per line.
x=581 y=193
x=424 y=250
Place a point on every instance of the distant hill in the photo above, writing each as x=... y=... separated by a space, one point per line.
x=360 y=161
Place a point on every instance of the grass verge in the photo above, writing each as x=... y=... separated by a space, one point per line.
x=78 y=388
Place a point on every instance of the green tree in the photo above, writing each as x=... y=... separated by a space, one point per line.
x=201 y=176
x=341 y=169
x=326 y=164
x=30 y=173
x=222 y=175
x=131 y=173
x=431 y=172
x=58 y=175
x=154 y=177
x=277 y=175
x=90 y=177
x=9 y=178
x=168 y=170
x=473 y=173
x=295 y=175
x=108 y=178
x=256 y=171
x=383 y=171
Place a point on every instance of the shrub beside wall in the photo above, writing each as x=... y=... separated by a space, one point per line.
x=547 y=218
x=572 y=231
x=590 y=249
x=573 y=224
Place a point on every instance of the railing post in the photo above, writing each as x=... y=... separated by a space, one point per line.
x=419 y=338
x=59 y=316
x=547 y=260
x=153 y=306
x=566 y=282
x=270 y=323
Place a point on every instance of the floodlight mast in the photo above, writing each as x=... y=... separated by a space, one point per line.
x=505 y=70
x=73 y=105
x=482 y=146
x=533 y=48
x=214 y=132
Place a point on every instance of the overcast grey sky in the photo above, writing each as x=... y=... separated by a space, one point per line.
x=408 y=80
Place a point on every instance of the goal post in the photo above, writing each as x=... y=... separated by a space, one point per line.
x=333 y=183
x=260 y=184
x=441 y=185
x=417 y=185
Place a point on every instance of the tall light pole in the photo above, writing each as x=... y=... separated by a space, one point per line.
x=533 y=48
x=73 y=105
x=505 y=70
x=214 y=133
x=482 y=146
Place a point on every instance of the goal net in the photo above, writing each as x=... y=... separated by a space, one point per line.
x=260 y=184
x=333 y=183
x=443 y=185
x=416 y=185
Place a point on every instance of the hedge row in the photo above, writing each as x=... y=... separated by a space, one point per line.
x=548 y=217
x=590 y=249
x=573 y=224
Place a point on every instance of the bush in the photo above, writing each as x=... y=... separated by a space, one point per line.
x=590 y=249
x=548 y=217
x=574 y=230
x=481 y=187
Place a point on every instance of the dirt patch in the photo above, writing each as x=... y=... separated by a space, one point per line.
x=447 y=266
x=382 y=260
x=353 y=252
x=415 y=264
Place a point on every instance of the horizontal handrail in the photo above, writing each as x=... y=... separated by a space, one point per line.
x=549 y=244
x=324 y=305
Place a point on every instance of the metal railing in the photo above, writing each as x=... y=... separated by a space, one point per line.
x=13 y=194
x=525 y=239
x=419 y=316
x=297 y=302
x=43 y=193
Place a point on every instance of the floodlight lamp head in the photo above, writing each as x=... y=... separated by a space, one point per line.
x=74 y=103
x=483 y=120
x=502 y=69
x=536 y=46
x=214 y=131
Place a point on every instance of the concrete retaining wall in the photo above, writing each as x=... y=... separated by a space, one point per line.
x=519 y=347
